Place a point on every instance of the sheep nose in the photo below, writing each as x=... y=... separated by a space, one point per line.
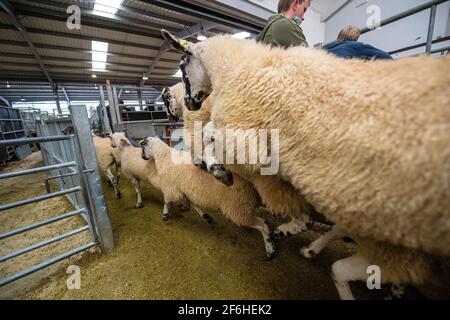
x=192 y=104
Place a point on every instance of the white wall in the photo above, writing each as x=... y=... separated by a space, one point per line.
x=313 y=28
x=407 y=32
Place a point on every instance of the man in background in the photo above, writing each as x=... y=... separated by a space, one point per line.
x=348 y=46
x=283 y=29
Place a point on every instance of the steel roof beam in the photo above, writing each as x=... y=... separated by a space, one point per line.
x=82 y=37
x=190 y=31
x=19 y=26
x=61 y=59
x=200 y=12
x=90 y=18
x=81 y=50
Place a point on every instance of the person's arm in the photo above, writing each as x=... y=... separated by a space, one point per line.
x=285 y=33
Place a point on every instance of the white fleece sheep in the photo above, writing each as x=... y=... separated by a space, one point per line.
x=279 y=197
x=365 y=142
x=107 y=157
x=137 y=170
x=238 y=203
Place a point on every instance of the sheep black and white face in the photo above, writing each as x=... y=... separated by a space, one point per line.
x=196 y=81
x=171 y=104
x=147 y=151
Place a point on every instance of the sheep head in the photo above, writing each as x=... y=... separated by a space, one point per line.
x=147 y=148
x=119 y=139
x=196 y=81
x=173 y=109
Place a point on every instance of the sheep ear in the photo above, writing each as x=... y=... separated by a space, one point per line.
x=179 y=44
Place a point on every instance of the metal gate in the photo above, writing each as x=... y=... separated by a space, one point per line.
x=72 y=161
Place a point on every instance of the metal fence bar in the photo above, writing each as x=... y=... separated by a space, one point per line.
x=95 y=199
x=18 y=142
x=37 y=170
x=406 y=14
x=401 y=16
x=419 y=45
x=39 y=198
x=43 y=244
x=45 y=264
x=431 y=28
x=40 y=224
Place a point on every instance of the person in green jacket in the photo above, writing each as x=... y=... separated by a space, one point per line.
x=283 y=29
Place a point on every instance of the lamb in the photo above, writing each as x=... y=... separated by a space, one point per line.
x=278 y=196
x=135 y=169
x=374 y=159
x=106 y=158
x=180 y=181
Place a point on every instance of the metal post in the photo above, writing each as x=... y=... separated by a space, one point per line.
x=140 y=99
x=105 y=119
x=117 y=105
x=431 y=28
x=96 y=201
x=112 y=106
x=56 y=95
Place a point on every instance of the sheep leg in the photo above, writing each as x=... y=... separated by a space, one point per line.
x=117 y=174
x=263 y=227
x=203 y=214
x=137 y=187
x=166 y=211
x=113 y=182
x=216 y=169
x=353 y=268
x=295 y=226
x=317 y=246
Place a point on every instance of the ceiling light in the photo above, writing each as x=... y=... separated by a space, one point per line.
x=241 y=35
x=127 y=91
x=107 y=8
x=22 y=99
x=178 y=74
x=145 y=77
x=7 y=84
x=94 y=76
x=99 y=55
x=100 y=46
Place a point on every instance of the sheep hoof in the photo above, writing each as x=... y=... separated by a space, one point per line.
x=270 y=256
x=207 y=218
x=221 y=174
x=165 y=218
x=118 y=195
x=278 y=234
x=307 y=253
x=140 y=205
x=201 y=166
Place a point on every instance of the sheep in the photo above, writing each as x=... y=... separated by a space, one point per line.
x=375 y=159
x=106 y=158
x=277 y=196
x=135 y=169
x=180 y=181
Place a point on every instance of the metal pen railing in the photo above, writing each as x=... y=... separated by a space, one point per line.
x=431 y=23
x=89 y=203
